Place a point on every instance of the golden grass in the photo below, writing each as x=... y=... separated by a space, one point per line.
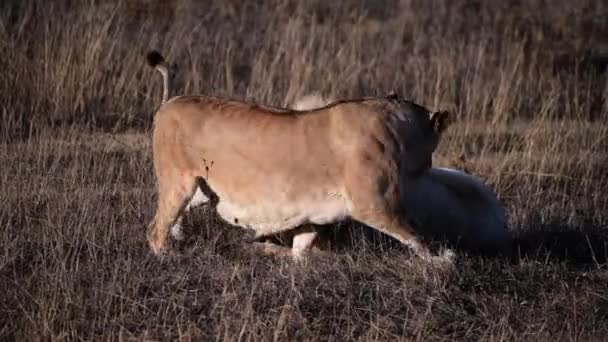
x=525 y=80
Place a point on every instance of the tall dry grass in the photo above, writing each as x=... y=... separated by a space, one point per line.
x=526 y=82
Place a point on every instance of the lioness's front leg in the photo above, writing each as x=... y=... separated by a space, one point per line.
x=377 y=202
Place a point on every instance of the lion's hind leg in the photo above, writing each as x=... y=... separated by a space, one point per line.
x=303 y=243
x=303 y=239
x=271 y=249
x=198 y=199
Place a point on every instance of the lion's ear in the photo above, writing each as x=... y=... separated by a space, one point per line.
x=440 y=121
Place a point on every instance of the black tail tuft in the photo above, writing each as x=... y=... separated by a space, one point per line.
x=154 y=58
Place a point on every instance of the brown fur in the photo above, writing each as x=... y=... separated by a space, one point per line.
x=274 y=169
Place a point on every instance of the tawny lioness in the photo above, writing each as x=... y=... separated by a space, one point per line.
x=273 y=169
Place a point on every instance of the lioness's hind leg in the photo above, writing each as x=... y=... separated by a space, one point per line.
x=173 y=195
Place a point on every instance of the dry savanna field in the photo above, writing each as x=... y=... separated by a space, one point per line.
x=526 y=82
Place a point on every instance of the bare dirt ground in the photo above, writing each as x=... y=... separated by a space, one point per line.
x=527 y=83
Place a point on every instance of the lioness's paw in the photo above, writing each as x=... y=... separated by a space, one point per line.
x=157 y=248
x=158 y=251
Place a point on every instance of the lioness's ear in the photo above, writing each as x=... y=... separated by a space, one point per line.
x=392 y=95
x=440 y=121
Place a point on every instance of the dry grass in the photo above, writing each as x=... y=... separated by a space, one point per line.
x=526 y=79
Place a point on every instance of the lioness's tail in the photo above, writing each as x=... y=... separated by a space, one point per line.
x=156 y=60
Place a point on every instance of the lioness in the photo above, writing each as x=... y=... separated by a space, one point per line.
x=273 y=169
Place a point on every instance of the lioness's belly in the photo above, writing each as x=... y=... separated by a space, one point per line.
x=267 y=216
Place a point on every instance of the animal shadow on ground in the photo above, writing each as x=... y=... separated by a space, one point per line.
x=580 y=246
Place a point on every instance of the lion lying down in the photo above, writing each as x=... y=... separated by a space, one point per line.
x=448 y=203
x=274 y=169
